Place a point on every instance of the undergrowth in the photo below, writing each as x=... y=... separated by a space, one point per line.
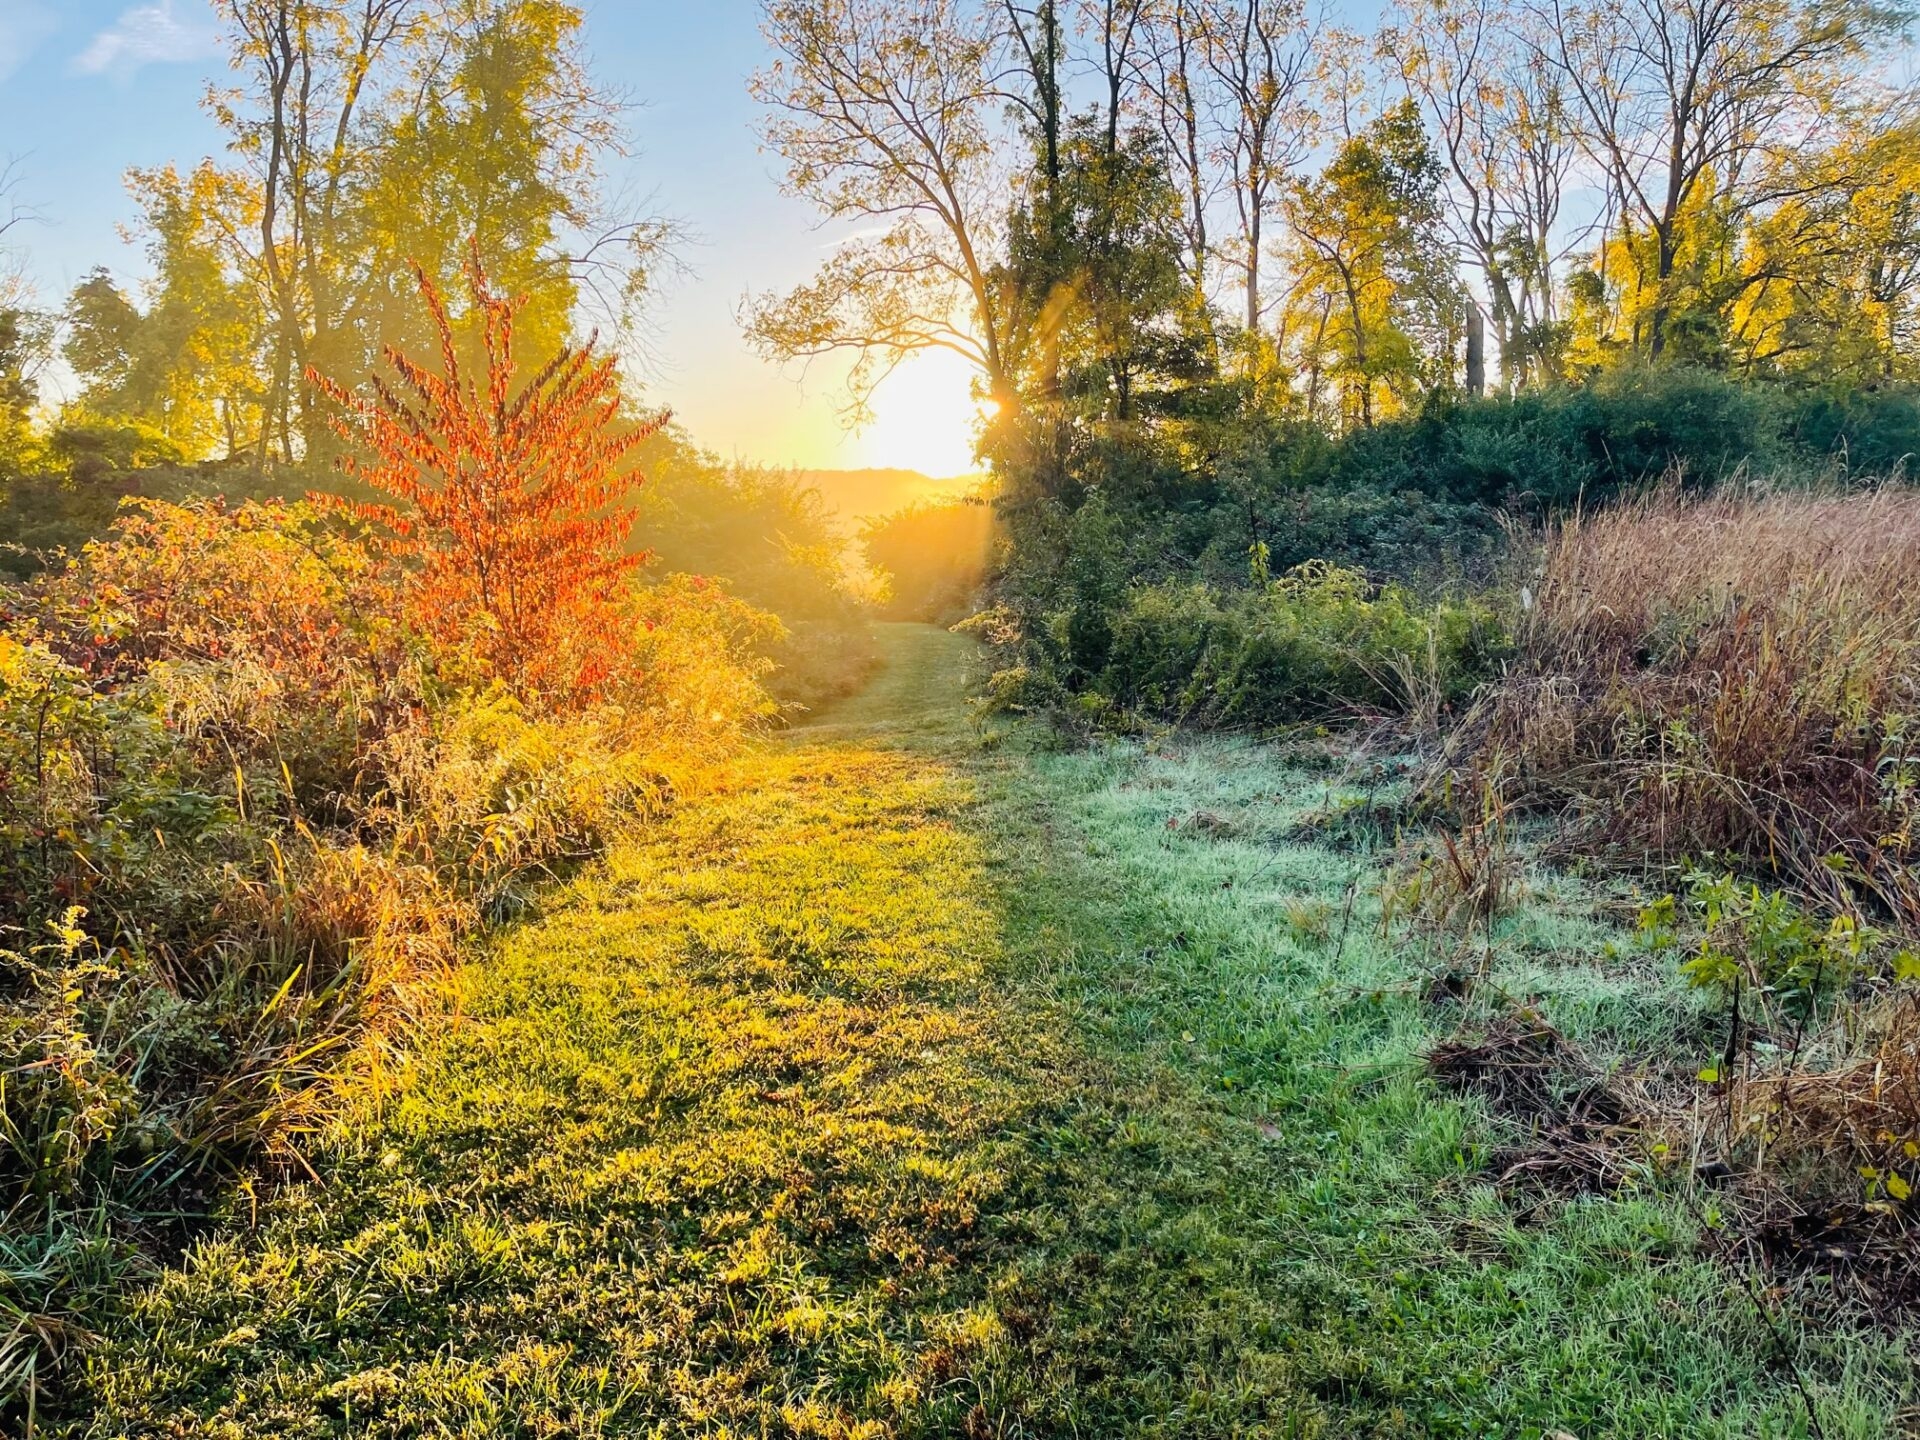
x=1717 y=692
x=246 y=825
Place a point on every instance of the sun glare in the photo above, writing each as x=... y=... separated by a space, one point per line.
x=925 y=418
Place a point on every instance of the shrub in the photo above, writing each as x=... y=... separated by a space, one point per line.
x=90 y=466
x=1317 y=642
x=1758 y=942
x=1818 y=1078
x=512 y=511
x=1734 y=674
x=246 y=817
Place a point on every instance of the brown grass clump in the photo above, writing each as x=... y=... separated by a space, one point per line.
x=1820 y=1158
x=1732 y=674
x=1579 y=1131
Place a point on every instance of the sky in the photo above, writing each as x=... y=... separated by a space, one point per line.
x=91 y=88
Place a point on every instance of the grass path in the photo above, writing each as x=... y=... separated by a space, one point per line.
x=908 y=1086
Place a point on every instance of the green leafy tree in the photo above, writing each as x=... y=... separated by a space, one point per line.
x=1100 y=284
x=188 y=366
x=24 y=336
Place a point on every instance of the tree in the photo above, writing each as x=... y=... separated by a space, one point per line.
x=188 y=366
x=1682 y=104
x=1036 y=40
x=506 y=499
x=882 y=110
x=1377 y=307
x=1828 y=278
x=373 y=130
x=104 y=340
x=299 y=121
x=1118 y=311
x=1495 y=107
x=1174 y=85
x=24 y=341
x=1259 y=55
x=503 y=145
x=1118 y=29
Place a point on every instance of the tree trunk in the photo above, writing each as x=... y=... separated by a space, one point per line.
x=1476 y=351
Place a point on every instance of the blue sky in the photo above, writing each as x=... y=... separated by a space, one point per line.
x=90 y=88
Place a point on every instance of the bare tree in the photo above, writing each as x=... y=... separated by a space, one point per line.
x=1259 y=57
x=1117 y=30
x=13 y=212
x=1496 y=110
x=883 y=112
x=1170 y=66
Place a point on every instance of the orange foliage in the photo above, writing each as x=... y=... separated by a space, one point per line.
x=208 y=582
x=513 y=510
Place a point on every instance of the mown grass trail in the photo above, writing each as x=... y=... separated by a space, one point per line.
x=908 y=1086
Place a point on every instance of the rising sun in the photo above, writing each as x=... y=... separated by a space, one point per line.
x=925 y=418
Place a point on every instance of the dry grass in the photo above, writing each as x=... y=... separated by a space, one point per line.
x=1737 y=676
x=1579 y=1132
x=1730 y=675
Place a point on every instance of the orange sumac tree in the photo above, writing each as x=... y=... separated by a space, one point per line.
x=507 y=502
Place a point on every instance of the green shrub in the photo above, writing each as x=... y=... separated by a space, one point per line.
x=1323 y=640
x=1759 y=941
x=1319 y=642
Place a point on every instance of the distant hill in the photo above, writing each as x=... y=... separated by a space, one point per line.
x=857 y=495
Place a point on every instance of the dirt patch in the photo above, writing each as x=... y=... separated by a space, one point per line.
x=1868 y=1252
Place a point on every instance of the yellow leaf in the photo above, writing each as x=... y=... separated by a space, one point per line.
x=13 y=660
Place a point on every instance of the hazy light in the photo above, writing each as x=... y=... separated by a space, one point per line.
x=925 y=418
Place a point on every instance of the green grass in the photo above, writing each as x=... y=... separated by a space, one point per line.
x=907 y=1084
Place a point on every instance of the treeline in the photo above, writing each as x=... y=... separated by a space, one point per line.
x=362 y=137
x=1206 y=187
x=1246 y=290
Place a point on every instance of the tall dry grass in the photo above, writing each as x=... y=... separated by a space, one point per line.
x=1736 y=676
x=1733 y=674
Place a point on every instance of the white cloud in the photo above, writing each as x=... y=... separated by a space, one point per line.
x=144 y=35
x=23 y=25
